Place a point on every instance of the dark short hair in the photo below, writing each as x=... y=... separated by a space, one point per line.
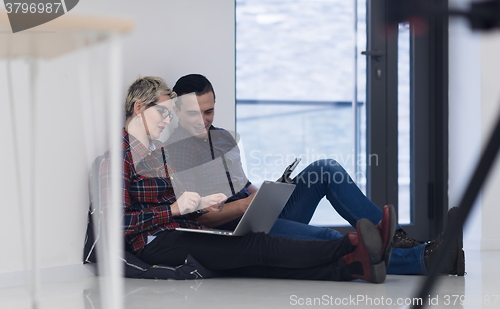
x=190 y=83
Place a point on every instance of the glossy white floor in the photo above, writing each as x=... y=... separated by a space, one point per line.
x=480 y=288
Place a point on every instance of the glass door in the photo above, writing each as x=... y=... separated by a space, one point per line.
x=407 y=118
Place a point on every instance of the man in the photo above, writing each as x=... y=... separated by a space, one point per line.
x=207 y=158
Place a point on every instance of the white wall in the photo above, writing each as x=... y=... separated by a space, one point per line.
x=174 y=38
x=474 y=93
x=171 y=38
x=490 y=87
x=464 y=118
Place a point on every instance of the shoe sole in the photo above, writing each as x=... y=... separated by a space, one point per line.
x=378 y=273
x=392 y=224
x=372 y=241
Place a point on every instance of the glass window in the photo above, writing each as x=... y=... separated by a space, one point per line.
x=297 y=76
x=404 y=136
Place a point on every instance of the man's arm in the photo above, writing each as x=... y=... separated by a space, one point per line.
x=252 y=188
x=231 y=211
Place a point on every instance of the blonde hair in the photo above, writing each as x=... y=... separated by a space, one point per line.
x=147 y=89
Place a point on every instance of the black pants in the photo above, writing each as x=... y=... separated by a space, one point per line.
x=253 y=255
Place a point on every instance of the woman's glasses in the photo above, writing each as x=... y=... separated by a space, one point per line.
x=164 y=112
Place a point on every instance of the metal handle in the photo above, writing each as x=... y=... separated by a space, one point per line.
x=373 y=53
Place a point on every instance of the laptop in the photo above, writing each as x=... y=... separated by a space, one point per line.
x=262 y=212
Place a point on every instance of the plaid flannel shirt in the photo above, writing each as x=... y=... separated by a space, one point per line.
x=147 y=193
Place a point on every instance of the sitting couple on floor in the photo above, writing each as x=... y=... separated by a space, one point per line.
x=292 y=249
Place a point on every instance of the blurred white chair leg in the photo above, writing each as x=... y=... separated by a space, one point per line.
x=113 y=298
x=15 y=146
x=35 y=267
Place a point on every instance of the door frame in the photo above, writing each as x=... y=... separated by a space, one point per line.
x=429 y=118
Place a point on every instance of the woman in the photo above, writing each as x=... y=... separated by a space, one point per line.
x=154 y=205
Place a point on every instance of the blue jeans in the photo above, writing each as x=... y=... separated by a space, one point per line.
x=328 y=178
